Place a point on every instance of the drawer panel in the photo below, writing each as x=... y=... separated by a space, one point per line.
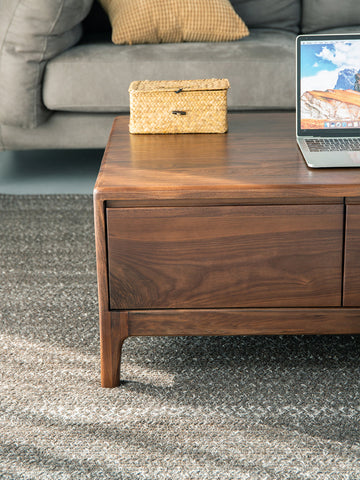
x=352 y=257
x=229 y=256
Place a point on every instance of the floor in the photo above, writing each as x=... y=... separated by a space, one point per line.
x=49 y=171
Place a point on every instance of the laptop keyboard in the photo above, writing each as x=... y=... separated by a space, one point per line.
x=333 y=144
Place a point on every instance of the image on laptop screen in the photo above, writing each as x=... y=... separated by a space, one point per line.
x=329 y=84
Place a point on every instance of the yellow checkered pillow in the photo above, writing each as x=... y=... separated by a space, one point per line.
x=168 y=21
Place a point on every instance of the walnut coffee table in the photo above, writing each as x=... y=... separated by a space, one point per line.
x=223 y=234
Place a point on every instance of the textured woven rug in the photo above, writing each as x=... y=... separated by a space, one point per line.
x=189 y=408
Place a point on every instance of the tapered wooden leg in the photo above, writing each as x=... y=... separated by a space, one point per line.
x=113 y=331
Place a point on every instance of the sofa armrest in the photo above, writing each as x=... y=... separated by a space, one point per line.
x=31 y=33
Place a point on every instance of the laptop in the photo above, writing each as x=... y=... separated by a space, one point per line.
x=328 y=99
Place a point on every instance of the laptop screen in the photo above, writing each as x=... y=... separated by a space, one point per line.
x=328 y=84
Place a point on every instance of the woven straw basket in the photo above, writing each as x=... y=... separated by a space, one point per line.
x=179 y=106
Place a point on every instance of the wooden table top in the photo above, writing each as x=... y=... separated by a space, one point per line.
x=257 y=158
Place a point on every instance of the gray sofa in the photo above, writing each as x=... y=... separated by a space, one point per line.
x=62 y=81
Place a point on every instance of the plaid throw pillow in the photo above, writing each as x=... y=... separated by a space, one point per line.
x=170 y=21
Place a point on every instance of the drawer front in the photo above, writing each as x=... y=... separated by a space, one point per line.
x=352 y=257
x=230 y=256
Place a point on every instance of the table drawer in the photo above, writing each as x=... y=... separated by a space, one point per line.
x=229 y=256
x=352 y=257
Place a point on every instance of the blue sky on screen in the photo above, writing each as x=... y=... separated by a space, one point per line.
x=321 y=63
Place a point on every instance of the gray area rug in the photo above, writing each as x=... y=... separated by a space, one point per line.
x=189 y=407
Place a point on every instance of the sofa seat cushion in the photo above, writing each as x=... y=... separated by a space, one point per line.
x=96 y=77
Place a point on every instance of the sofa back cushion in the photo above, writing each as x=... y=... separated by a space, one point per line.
x=324 y=14
x=282 y=14
x=36 y=31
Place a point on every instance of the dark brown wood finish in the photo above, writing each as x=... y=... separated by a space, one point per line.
x=245 y=321
x=352 y=257
x=213 y=257
x=113 y=332
x=110 y=359
x=195 y=232
x=257 y=159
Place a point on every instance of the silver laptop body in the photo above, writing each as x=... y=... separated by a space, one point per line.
x=328 y=99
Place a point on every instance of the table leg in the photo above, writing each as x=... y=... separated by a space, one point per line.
x=113 y=332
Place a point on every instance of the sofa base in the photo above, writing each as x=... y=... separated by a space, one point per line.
x=62 y=130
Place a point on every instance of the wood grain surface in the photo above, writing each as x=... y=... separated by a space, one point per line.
x=203 y=257
x=257 y=158
x=223 y=234
x=245 y=321
x=352 y=257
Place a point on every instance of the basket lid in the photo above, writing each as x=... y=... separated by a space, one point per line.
x=182 y=85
